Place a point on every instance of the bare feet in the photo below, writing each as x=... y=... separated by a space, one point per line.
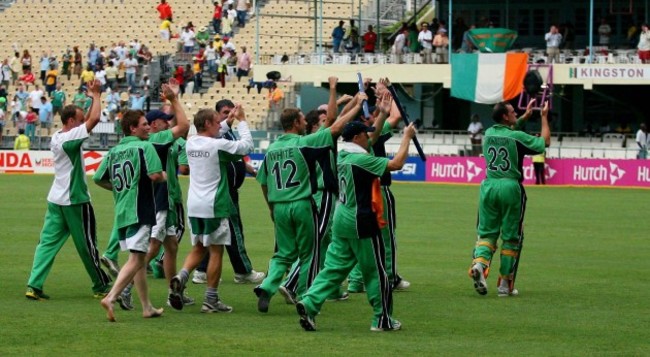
x=108 y=306
x=152 y=312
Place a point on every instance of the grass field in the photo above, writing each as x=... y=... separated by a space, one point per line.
x=583 y=284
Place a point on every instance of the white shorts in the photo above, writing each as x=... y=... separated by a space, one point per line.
x=134 y=238
x=220 y=236
x=164 y=34
x=160 y=231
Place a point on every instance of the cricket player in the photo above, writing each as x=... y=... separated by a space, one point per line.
x=356 y=234
x=502 y=200
x=69 y=211
x=130 y=170
x=209 y=204
x=288 y=180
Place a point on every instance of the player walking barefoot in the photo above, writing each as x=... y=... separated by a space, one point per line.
x=129 y=170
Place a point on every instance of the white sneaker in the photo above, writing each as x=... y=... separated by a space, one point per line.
x=506 y=292
x=476 y=273
x=199 y=277
x=254 y=277
x=403 y=285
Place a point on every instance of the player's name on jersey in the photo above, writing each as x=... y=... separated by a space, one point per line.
x=198 y=154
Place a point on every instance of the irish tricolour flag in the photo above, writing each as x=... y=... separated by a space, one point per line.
x=488 y=77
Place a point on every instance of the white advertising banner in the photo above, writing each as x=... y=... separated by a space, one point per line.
x=41 y=162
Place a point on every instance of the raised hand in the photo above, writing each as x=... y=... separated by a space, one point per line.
x=545 y=109
x=410 y=131
x=333 y=81
x=385 y=103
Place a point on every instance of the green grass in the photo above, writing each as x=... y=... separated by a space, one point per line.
x=583 y=285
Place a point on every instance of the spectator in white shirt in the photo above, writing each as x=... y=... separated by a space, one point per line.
x=425 y=38
x=475 y=131
x=642 y=141
x=553 y=40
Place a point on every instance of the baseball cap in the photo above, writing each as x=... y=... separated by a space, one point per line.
x=157 y=114
x=354 y=128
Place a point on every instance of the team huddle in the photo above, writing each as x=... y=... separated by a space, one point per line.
x=331 y=204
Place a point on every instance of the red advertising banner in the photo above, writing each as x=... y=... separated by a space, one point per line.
x=574 y=172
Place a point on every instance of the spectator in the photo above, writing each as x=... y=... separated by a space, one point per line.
x=26 y=61
x=136 y=100
x=369 y=40
x=425 y=38
x=111 y=75
x=44 y=66
x=398 y=45
x=27 y=78
x=642 y=141
x=45 y=114
x=203 y=36
x=54 y=63
x=441 y=43
x=81 y=100
x=22 y=141
x=211 y=58
x=275 y=96
x=198 y=75
x=187 y=38
x=553 y=39
x=6 y=73
x=352 y=38
x=87 y=75
x=164 y=10
x=458 y=32
x=475 y=131
x=166 y=29
x=100 y=75
x=51 y=80
x=93 y=55
x=243 y=64
x=112 y=103
x=216 y=17
x=467 y=46
x=412 y=39
x=242 y=8
x=30 y=127
x=131 y=66
x=66 y=58
x=604 y=31
x=644 y=44
x=538 y=165
x=16 y=69
x=35 y=99
x=179 y=75
x=77 y=61
x=58 y=100
x=145 y=84
x=226 y=23
x=337 y=36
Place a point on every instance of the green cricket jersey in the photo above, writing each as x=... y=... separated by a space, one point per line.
x=128 y=166
x=288 y=169
x=163 y=141
x=504 y=150
x=357 y=170
x=379 y=150
x=177 y=156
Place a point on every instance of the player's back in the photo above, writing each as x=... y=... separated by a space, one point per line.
x=504 y=150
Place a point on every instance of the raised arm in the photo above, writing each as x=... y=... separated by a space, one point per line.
x=170 y=93
x=384 y=104
x=95 y=112
x=397 y=162
x=338 y=125
x=332 y=108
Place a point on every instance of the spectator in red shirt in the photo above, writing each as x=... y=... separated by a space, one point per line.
x=164 y=10
x=179 y=74
x=216 y=17
x=369 y=40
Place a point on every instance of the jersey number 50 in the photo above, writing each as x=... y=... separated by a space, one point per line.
x=122 y=174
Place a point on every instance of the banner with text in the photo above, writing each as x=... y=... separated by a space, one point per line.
x=41 y=162
x=577 y=172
